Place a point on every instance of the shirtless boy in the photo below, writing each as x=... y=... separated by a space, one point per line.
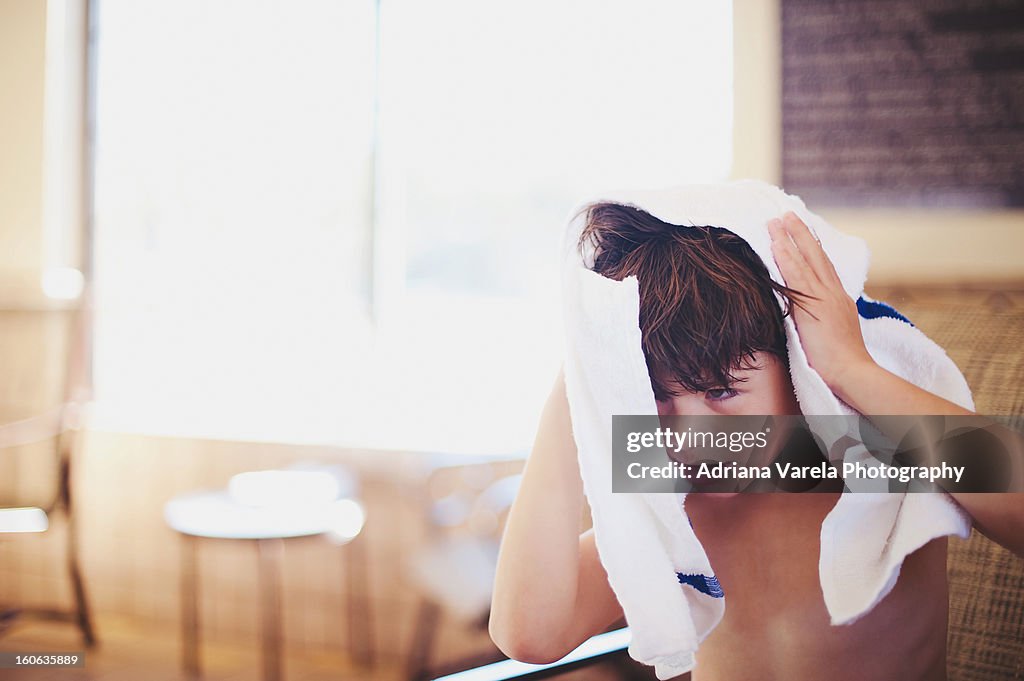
x=714 y=342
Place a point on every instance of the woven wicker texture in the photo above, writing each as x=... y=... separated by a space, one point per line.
x=984 y=334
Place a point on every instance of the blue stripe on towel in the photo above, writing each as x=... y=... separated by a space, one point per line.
x=706 y=584
x=872 y=309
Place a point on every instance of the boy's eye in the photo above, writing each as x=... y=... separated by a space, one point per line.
x=718 y=394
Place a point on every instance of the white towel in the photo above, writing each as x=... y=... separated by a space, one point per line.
x=656 y=566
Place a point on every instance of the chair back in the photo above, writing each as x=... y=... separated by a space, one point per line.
x=981 y=331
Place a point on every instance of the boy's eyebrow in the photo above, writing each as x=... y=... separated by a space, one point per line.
x=733 y=380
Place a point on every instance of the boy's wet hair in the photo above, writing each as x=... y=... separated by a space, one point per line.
x=707 y=302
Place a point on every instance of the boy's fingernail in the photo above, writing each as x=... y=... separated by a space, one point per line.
x=774 y=224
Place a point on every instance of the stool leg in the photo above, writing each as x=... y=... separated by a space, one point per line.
x=360 y=604
x=418 y=659
x=82 y=616
x=189 y=607
x=270 y=606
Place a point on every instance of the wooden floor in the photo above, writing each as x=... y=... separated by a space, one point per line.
x=128 y=652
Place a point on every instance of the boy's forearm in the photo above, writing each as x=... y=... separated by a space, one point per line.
x=872 y=390
x=1000 y=517
x=535 y=584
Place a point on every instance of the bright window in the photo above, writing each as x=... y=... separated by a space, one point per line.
x=307 y=235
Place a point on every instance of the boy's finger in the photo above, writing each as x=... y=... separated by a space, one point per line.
x=809 y=247
x=795 y=271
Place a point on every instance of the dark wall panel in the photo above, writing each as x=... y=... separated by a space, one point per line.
x=904 y=102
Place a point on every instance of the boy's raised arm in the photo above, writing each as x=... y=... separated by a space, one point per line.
x=830 y=334
x=551 y=592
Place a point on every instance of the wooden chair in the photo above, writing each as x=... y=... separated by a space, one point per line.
x=453 y=572
x=57 y=434
x=981 y=331
x=59 y=431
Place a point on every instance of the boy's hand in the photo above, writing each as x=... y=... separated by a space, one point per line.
x=827 y=320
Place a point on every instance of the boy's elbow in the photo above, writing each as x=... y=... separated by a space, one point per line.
x=519 y=643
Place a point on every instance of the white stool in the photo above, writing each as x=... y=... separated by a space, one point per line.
x=217 y=515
